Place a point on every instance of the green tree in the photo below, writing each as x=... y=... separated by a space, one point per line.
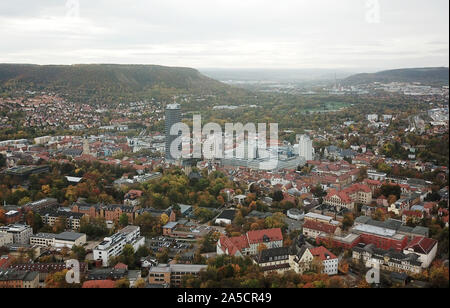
x=79 y=253
x=123 y=220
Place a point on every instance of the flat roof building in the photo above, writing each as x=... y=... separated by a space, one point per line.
x=21 y=233
x=172 y=275
x=113 y=246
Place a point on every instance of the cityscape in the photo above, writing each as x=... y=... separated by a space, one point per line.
x=155 y=176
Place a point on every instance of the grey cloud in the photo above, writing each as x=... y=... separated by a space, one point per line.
x=226 y=33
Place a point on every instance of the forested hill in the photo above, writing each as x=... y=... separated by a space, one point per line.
x=429 y=76
x=106 y=82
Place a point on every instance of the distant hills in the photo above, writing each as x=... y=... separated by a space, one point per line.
x=429 y=76
x=98 y=82
x=278 y=75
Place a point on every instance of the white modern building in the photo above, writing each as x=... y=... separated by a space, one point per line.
x=376 y=176
x=306 y=149
x=425 y=248
x=329 y=261
x=113 y=246
x=65 y=239
x=372 y=117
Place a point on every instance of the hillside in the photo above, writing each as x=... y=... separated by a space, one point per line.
x=106 y=82
x=430 y=76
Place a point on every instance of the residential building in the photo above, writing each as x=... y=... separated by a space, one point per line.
x=45 y=269
x=425 y=248
x=388 y=260
x=5 y=239
x=72 y=219
x=43 y=239
x=47 y=203
x=113 y=246
x=21 y=233
x=313 y=229
x=249 y=244
x=274 y=259
x=172 y=275
x=16 y=279
x=301 y=260
x=347 y=198
x=339 y=199
x=329 y=261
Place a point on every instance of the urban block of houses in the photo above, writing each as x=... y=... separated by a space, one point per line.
x=317 y=224
x=388 y=260
x=347 y=198
x=72 y=220
x=248 y=244
x=313 y=229
x=297 y=259
x=16 y=279
x=45 y=269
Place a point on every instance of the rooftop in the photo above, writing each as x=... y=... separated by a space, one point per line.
x=69 y=236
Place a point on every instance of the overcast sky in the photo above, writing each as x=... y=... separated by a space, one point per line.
x=374 y=34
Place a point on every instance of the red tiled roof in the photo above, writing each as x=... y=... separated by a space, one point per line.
x=121 y=266
x=4 y=263
x=358 y=187
x=422 y=245
x=233 y=244
x=413 y=213
x=322 y=253
x=99 y=284
x=341 y=194
x=372 y=182
x=255 y=237
x=429 y=205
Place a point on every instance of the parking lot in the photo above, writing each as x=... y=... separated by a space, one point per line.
x=157 y=244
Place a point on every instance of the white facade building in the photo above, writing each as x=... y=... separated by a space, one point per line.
x=113 y=246
x=372 y=117
x=306 y=149
x=65 y=239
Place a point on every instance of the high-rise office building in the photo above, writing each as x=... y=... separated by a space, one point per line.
x=306 y=149
x=173 y=116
